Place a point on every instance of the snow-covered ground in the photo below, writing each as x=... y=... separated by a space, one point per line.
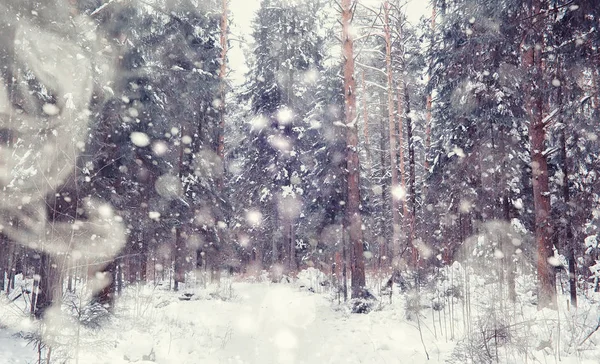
x=13 y=350
x=261 y=322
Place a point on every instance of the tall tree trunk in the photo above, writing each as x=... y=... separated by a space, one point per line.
x=353 y=218
x=132 y=269
x=531 y=58
x=106 y=295
x=289 y=239
x=119 y=277
x=569 y=244
x=400 y=145
x=429 y=101
x=386 y=251
x=179 y=267
x=412 y=190
x=220 y=179
x=12 y=252
x=143 y=262
x=568 y=226
x=223 y=85
x=507 y=246
x=367 y=148
x=366 y=125
x=510 y=264
x=596 y=84
x=180 y=250
x=3 y=261
x=395 y=248
x=49 y=287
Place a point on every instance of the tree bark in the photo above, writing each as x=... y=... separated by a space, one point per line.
x=531 y=58
x=353 y=218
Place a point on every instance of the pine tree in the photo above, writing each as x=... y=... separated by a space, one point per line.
x=287 y=58
x=353 y=222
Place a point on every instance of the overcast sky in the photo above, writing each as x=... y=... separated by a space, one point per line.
x=243 y=12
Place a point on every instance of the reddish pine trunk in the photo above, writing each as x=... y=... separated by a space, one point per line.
x=353 y=219
x=531 y=59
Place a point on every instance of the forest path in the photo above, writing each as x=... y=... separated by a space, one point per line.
x=281 y=324
x=260 y=323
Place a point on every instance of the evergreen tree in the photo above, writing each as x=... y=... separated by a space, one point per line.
x=286 y=63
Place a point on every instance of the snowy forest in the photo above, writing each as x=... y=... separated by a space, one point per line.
x=330 y=181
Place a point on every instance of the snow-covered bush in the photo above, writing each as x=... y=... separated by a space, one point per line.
x=312 y=279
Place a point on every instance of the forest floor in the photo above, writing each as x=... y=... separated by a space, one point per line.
x=298 y=322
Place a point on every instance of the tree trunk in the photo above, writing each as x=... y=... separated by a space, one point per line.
x=11 y=267
x=289 y=238
x=400 y=145
x=144 y=263
x=106 y=295
x=49 y=287
x=569 y=244
x=395 y=248
x=429 y=101
x=132 y=269
x=568 y=226
x=366 y=125
x=119 y=277
x=3 y=262
x=180 y=244
x=353 y=218
x=596 y=86
x=70 y=280
x=216 y=276
x=223 y=85
x=344 y=266
x=179 y=268
x=387 y=252
x=412 y=191
x=531 y=59
x=510 y=264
